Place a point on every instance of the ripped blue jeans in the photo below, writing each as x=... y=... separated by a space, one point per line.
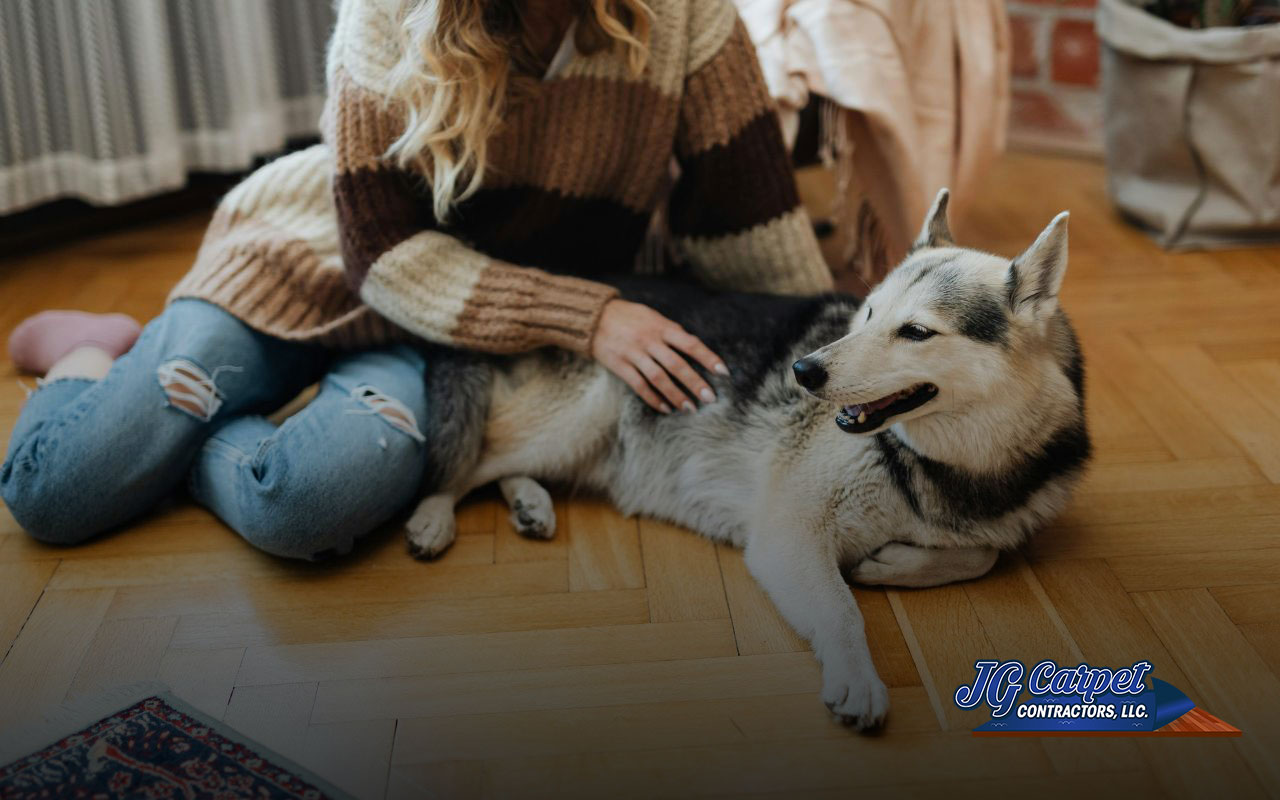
x=185 y=405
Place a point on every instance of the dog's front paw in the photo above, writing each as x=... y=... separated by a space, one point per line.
x=858 y=699
x=537 y=521
x=888 y=565
x=899 y=564
x=432 y=528
x=533 y=514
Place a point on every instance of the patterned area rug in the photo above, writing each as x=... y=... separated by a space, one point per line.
x=159 y=748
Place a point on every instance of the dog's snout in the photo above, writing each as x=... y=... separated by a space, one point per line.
x=809 y=374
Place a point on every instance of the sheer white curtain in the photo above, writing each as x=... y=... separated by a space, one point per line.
x=112 y=100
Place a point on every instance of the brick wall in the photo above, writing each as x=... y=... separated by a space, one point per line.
x=1056 y=104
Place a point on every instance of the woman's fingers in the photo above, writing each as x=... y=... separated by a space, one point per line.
x=632 y=377
x=682 y=371
x=636 y=343
x=687 y=343
x=660 y=380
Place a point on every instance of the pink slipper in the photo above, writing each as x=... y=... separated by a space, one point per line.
x=42 y=339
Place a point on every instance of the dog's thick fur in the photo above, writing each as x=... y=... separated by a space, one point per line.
x=925 y=497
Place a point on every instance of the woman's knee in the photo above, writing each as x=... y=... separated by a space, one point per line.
x=44 y=506
x=302 y=507
x=203 y=360
x=283 y=532
x=307 y=525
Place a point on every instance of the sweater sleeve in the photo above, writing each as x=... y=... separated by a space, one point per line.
x=395 y=255
x=735 y=212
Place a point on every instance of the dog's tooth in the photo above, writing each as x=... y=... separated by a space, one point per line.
x=862 y=417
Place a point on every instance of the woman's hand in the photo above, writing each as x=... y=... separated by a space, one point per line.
x=643 y=348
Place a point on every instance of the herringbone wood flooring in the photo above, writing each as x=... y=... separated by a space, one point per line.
x=629 y=658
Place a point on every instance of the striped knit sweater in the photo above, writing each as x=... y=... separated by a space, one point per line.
x=335 y=244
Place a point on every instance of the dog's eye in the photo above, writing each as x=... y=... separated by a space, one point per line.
x=915 y=332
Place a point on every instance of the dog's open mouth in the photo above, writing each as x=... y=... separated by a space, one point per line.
x=863 y=417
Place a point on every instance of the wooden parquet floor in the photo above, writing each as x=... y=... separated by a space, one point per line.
x=627 y=658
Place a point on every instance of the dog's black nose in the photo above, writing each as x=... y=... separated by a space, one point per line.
x=809 y=374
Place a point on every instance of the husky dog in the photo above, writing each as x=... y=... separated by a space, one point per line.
x=903 y=440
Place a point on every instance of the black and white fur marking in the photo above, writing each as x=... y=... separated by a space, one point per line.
x=988 y=446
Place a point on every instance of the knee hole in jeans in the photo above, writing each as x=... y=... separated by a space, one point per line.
x=190 y=389
x=393 y=411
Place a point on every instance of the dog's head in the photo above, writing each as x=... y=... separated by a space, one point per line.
x=949 y=330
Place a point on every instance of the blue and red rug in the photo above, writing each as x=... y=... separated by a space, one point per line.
x=158 y=748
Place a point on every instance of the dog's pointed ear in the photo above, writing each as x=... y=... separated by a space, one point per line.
x=935 y=232
x=1036 y=276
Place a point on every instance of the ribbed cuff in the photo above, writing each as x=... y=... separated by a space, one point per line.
x=529 y=308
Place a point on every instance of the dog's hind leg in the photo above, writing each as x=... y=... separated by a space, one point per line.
x=532 y=512
x=899 y=564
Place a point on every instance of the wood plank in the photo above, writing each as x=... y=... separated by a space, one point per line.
x=388 y=554
x=1192 y=473
x=757 y=625
x=455 y=780
x=1102 y=617
x=399 y=620
x=202 y=678
x=354 y=756
x=802 y=716
x=558 y=731
x=1227 y=677
x=277 y=716
x=1251 y=603
x=1132 y=784
x=1243 y=351
x=21 y=585
x=1160 y=505
x=479 y=514
x=1196 y=768
x=1017 y=616
x=1224 y=401
x=337 y=588
x=486 y=652
x=640 y=727
x=45 y=657
x=1180 y=423
x=1261 y=380
x=889 y=652
x=113 y=571
x=123 y=652
x=604 y=548
x=1119 y=432
x=8 y=525
x=946 y=637
x=1265 y=638
x=174 y=528
x=1187 y=570
x=761 y=767
x=681 y=573
x=569 y=687
x=1155 y=538
x=1215 y=336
